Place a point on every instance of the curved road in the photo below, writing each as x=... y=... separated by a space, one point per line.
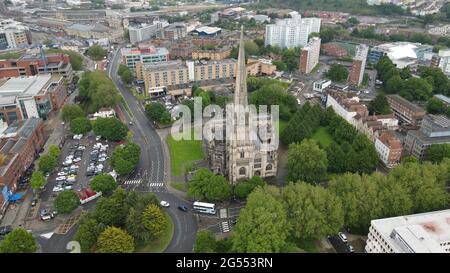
x=152 y=164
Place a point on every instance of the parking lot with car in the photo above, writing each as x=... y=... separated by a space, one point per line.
x=81 y=158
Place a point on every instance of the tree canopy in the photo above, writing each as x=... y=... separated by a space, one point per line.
x=124 y=160
x=80 y=125
x=110 y=128
x=208 y=186
x=97 y=90
x=337 y=73
x=71 y=111
x=96 y=52
x=115 y=240
x=67 y=201
x=306 y=162
x=103 y=183
x=18 y=241
x=37 y=180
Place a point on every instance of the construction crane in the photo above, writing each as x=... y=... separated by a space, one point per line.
x=43 y=58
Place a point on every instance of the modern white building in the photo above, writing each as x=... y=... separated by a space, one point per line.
x=418 y=233
x=144 y=32
x=309 y=57
x=13 y=35
x=291 y=32
x=321 y=85
x=402 y=54
x=444 y=61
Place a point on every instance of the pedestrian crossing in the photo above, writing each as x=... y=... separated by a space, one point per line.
x=223 y=213
x=225 y=227
x=156 y=184
x=133 y=182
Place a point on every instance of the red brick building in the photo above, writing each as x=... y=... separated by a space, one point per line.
x=32 y=64
x=20 y=144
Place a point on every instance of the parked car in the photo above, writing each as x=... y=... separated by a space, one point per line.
x=61 y=178
x=57 y=189
x=5 y=230
x=62 y=173
x=350 y=248
x=34 y=202
x=343 y=237
x=165 y=204
x=97 y=138
x=183 y=208
x=46 y=215
x=78 y=159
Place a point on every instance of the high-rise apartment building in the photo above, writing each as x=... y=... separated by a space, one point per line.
x=291 y=32
x=143 y=54
x=309 y=57
x=358 y=65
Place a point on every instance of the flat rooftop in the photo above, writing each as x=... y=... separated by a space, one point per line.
x=26 y=86
x=421 y=233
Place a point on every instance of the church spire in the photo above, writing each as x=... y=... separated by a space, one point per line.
x=240 y=92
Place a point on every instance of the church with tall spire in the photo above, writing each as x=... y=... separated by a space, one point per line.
x=245 y=150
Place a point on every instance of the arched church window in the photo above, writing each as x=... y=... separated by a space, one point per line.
x=269 y=167
x=242 y=171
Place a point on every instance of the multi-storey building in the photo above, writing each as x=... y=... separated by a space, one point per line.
x=144 y=32
x=212 y=54
x=36 y=96
x=405 y=110
x=178 y=73
x=13 y=35
x=212 y=70
x=260 y=67
x=159 y=75
x=32 y=64
x=345 y=106
x=19 y=144
x=389 y=149
x=418 y=233
x=309 y=56
x=292 y=32
x=444 y=61
x=175 y=31
x=433 y=130
x=143 y=54
x=358 y=65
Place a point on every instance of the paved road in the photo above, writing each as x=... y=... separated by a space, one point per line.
x=152 y=160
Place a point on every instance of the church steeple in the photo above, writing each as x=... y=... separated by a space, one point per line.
x=240 y=92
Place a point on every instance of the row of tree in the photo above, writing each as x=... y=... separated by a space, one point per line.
x=121 y=222
x=272 y=219
x=395 y=81
x=125 y=74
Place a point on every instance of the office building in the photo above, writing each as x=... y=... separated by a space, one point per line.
x=427 y=232
x=143 y=54
x=144 y=32
x=309 y=56
x=38 y=96
x=405 y=110
x=358 y=65
x=433 y=130
x=291 y=32
x=32 y=64
x=13 y=35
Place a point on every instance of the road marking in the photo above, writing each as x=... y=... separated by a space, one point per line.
x=133 y=182
x=223 y=213
x=156 y=184
x=225 y=227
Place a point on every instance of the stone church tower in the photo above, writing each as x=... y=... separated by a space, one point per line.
x=243 y=154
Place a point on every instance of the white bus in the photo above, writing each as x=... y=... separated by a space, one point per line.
x=204 y=207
